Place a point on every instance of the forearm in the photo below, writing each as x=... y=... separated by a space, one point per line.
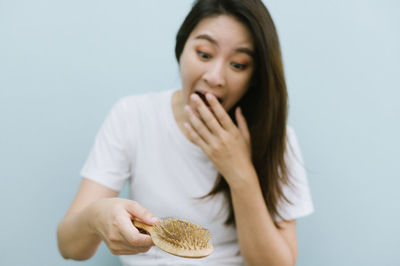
x=76 y=239
x=259 y=239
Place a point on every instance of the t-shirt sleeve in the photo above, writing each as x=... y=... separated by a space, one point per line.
x=298 y=191
x=109 y=161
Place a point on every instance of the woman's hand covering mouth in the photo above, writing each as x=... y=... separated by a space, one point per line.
x=203 y=97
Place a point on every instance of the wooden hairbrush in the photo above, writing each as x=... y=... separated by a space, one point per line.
x=179 y=237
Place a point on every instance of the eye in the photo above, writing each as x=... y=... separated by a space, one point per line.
x=204 y=55
x=239 y=66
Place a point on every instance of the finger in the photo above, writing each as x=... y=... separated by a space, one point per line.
x=206 y=115
x=132 y=235
x=128 y=250
x=220 y=113
x=139 y=240
x=195 y=138
x=198 y=126
x=138 y=211
x=242 y=124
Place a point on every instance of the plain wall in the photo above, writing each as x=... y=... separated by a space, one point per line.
x=63 y=64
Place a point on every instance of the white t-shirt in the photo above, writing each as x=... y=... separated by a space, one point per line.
x=140 y=141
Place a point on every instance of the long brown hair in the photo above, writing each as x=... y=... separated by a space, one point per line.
x=264 y=105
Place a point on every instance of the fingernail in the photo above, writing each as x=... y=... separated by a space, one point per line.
x=194 y=97
x=209 y=96
x=154 y=219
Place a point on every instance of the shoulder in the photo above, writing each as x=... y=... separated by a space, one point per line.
x=145 y=100
x=294 y=159
x=290 y=133
x=292 y=144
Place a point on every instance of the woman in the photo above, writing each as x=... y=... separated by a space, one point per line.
x=217 y=152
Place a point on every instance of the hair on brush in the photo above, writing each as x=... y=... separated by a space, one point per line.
x=179 y=237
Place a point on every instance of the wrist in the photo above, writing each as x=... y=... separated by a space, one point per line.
x=89 y=216
x=244 y=179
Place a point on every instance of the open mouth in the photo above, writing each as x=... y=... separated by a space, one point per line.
x=203 y=97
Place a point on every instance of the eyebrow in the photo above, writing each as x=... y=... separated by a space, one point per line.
x=211 y=40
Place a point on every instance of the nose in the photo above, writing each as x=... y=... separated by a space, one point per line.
x=214 y=76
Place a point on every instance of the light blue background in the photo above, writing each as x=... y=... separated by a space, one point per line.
x=64 y=63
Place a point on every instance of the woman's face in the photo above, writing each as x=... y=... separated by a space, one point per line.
x=217 y=58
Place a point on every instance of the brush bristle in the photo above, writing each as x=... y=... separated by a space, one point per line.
x=183 y=234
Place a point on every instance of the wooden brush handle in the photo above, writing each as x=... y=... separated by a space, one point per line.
x=140 y=225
